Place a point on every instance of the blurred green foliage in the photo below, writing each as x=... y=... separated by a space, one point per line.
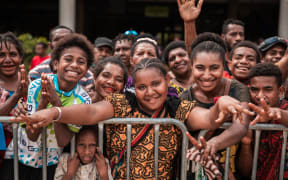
x=29 y=42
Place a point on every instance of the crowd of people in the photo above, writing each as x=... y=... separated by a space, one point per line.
x=203 y=81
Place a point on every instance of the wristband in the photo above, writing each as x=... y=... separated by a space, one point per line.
x=59 y=114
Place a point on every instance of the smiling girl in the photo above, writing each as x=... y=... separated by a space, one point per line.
x=151 y=86
x=72 y=57
x=207 y=58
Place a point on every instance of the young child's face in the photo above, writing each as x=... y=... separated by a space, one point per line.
x=86 y=147
x=151 y=89
x=72 y=65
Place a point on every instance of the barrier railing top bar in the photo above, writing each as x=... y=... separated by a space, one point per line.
x=262 y=126
x=6 y=119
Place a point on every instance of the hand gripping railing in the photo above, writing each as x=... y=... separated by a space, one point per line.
x=258 y=128
x=129 y=121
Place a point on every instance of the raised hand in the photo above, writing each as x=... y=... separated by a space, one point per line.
x=22 y=87
x=48 y=92
x=101 y=165
x=264 y=112
x=188 y=10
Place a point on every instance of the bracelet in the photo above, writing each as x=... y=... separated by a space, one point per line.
x=59 y=114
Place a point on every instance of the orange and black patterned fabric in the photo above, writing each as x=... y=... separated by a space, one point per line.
x=142 y=155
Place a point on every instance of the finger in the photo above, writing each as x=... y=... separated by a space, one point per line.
x=221 y=117
x=193 y=141
x=255 y=108
x=199 y=5
x=179 y=3
x=264 y=105
x=257 y=119
x=203 y=142
x=193 y=3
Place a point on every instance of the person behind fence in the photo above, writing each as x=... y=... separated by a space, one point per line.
x=151 y=101
x=243 y=57
x=207 y=59
x=122 y=44
x=13 y=86
x=72 y=56
x=267 y=93
x=88 y=162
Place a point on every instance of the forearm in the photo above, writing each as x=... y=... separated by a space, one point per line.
x=8 y=105
x=230 y=136
x=245 y=157
x=68 y=177
x=89 y=114
x=104 y=177
x=284 y=118
x=63 y=134
x=190 y=34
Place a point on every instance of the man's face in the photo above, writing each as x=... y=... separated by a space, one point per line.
x=57 y=35
x=40 y=50
x=265 y=87
x=234 y=35
x=274 y=54
x=101 y=52
x=123 y=49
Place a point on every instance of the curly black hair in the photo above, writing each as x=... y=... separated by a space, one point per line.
x=74 y=40
x=172 y=45
x=231 y=21
x=266 y=69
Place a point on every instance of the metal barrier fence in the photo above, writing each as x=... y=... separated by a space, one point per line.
x=258 y=128
x=129 y=121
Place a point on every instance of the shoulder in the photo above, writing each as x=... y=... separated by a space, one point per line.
x=187 y=94
x=120 y=103
x=239 y=91
x=184 y=109
x=82 y=94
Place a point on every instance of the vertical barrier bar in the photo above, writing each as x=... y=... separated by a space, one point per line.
x=283 y=155
x=129 y=127
x=44 y=154
x=255 y=156
x=72 y=146
x=183 y=154
x=100 y=135
x=156 y=146
x=15 y=151
x=227 y=163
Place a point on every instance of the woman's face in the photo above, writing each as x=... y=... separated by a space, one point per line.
x=207 y=70
x=9 y=60
x=110 y=80
x=142 y=51
x=179 y=62
x=72 y=66
x=151 y=89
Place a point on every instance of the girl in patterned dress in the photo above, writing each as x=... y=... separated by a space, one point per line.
x=151 y=100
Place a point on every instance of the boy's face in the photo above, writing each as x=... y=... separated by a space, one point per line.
x=86 y=147
x=265 y=87
x=274 y=54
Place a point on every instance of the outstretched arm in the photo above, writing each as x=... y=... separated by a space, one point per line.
x=189 y=12
x=212 y=118
x=82 y=114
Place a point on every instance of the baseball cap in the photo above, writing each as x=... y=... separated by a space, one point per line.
x=269 y=42
x=103 y=41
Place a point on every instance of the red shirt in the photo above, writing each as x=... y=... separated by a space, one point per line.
x=37 y=60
